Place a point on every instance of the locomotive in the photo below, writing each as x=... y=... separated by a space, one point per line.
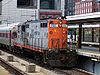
x=46 y=40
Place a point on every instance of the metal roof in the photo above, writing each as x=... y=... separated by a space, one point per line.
x=7 y=27
x=84 y=18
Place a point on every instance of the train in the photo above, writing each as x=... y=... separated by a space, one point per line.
x=46 y=40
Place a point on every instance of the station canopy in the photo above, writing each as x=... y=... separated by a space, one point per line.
x=84 y=18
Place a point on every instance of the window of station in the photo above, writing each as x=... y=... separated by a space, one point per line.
x=96 y=35
x=87 y=35
x=47 y=4
x=90 y=35
x=27 y=4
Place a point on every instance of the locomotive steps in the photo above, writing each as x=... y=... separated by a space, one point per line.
x=22 y=66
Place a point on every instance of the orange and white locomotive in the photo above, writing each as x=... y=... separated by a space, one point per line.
x=57 y=34
x=46 y=40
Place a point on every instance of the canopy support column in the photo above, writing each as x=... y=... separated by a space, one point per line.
x=99 y=38
x=80 y=36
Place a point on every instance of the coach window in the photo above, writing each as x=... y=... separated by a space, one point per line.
x=6 y=35
x=3 y=35
x=0 y=34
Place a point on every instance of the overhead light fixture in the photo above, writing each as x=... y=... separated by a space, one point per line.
x=93 y=59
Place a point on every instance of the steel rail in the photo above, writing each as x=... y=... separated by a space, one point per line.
x=12 y=69
x=73 y=71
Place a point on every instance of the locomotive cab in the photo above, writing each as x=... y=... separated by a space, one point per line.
x=57 y=44
x=57 y=34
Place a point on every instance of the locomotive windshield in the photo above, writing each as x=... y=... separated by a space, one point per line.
x=54 y=25
x=64 y=25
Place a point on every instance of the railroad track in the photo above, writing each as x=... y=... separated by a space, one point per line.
x=73 y=71
x=15 y=71
x=61 y=72
x=17 y=66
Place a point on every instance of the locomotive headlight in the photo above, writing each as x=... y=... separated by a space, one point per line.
x=60 y=22
x=55 y=30
x=60 y=25
x=64 y=32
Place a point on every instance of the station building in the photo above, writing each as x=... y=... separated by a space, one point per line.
x=86 y=6
x=22 y=10
x=69 y=7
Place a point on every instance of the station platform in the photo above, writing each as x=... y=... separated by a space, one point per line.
x=89 y=52
x=3 y=71
x=24 y=66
